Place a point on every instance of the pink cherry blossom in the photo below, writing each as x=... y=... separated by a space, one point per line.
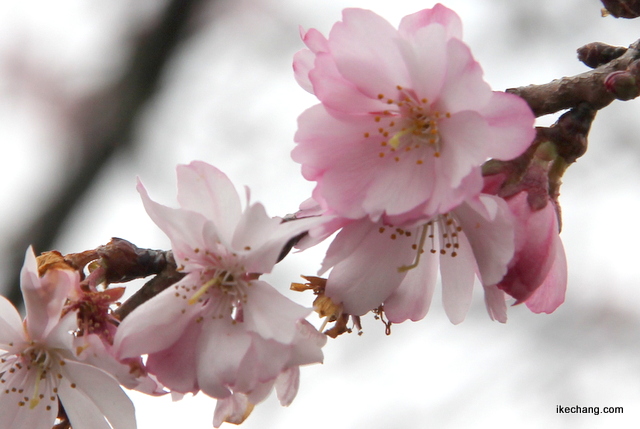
x=220 y=329
x=537 y=274
x=397 y=265
x=405 y=118
x=39 y=368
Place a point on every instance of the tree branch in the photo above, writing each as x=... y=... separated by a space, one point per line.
x=569 y=92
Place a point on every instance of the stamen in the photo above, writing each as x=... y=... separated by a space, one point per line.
x=324 y=324
x=423 y=238
x=394 y=142
x=205 y=287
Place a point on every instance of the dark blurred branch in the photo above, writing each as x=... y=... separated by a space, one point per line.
x=104 y=127
x=621 y=8
x=569 y=92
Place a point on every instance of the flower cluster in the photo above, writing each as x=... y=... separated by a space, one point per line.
x=420 y=168
x=396 y=145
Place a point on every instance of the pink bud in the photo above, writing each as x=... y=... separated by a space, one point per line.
x=622 y=85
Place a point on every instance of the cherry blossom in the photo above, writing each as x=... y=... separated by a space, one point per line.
x=397 y=265
x=39 y=368
x=405 y=118
x=220 y=329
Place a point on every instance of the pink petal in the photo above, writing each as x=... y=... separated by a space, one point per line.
x=219 y=355
x=287 y=385
x=536 y=233
x=425 y=58
x=314 y=40
x=184 y=228
x=488 y=225
x=95 y=396
x=511 y=122
x=445 y=198
x=440 y=14
x=262 y=238
x=458 y=274
x=44 y=297
x=365 y=50
x=356 y=282
x=233 y=409
x=260 y=392
x=337 y=93
x=307 y=346
x=59 y=337
x=464 y=87
x=270 y=314
x=413 y=298
x=495 y=302
x=11 y=329
x=175 y=366
x=397 y=186
x=158 y=323
x=551 y=292
x=260 y=366
x=327 y=147
x=204 y=189
x=463 y=137
x=324 y=140
x=303 y=61
x=16 y=416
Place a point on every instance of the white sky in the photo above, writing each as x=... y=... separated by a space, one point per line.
x=230 y=99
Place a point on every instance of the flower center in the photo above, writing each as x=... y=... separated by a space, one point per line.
x=33 y=368
x=410 y=125
x=223 y=280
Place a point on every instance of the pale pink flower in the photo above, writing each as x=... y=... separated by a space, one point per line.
x=405 y=118
x=537 y=273
x=220 y=329
x=397 y=264
x=38 y=366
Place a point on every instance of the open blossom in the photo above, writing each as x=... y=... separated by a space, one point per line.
x=38 y=367
x=397 y=265
x=405 y=118
x=220 y=329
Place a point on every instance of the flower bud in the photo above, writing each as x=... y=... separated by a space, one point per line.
x=622 y=85
x=597 y=53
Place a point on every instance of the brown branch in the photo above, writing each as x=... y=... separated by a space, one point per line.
x=621 y=8
x=569 y=92
x=120 y=261
x=167 y=277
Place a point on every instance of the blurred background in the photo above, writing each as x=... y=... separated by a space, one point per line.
x=94 y=93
